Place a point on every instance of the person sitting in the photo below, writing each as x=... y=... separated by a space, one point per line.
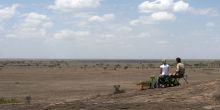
x=180 y=69
x=179 y=73
x=164 y=74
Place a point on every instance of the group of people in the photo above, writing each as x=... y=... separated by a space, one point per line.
x=165 y=78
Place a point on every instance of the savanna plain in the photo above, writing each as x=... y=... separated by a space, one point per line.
x=40 y=84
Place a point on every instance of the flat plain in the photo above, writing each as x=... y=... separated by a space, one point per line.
x=88 y=85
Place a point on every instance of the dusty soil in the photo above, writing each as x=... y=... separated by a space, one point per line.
x=74 y=88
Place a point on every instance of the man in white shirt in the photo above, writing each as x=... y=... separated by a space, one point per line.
x=164 y=73
x=164 y=68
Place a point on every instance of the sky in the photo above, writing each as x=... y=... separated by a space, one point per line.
x=110 y=29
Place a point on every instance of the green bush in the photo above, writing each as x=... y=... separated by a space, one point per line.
x=7 y=101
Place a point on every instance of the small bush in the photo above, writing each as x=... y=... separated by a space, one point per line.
x=7 y=101
x=125 y=67
x=28 y=99
x=117 y=89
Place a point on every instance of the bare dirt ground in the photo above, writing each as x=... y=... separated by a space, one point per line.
x=77 y=88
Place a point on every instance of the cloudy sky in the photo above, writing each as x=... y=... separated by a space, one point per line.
x=110 y=29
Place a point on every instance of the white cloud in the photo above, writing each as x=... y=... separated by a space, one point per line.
x=71 y=5
x=109 y=35
x=34 y=25
x=162 y=16
x=8 y=12
x=163 y=5
x=124 y=29
x=143 y=35
x=109 y=16
x=157 y=5
x=141 y=20
x=207 y=11
x=11 y=36
x=1 y=29
x=96 y=19
x=159 y=10
x=134 y=22
x=165 y=10
x=181 y=6
x=162 y=42
x=71 y=35
x=35 y=20
x=153 y=18
x=104 y=18
x=210 y=24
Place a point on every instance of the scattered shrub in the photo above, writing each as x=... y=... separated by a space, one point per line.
x=28 y=99
x=117 y=89
x=125 y=67
x=7 y=101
